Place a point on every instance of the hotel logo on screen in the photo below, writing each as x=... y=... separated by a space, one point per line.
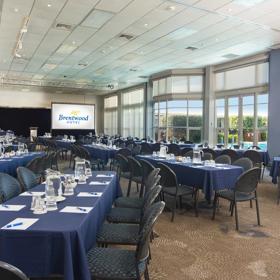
x=74 y=117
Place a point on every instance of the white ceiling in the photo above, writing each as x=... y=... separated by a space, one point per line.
x=92 y=55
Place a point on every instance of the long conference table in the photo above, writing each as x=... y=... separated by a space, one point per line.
x=207 y=178
x=58 y=241
x=10 y=165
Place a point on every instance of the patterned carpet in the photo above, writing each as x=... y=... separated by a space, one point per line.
x=193 y=248
x=197 y=248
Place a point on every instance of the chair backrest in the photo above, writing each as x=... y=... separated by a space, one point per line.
x=26 y=178
x=244 y=162
x=254 y=156
x=255 y=147
x=231 y=153
x=147 y=168
x=210 y=151
x=184 y=151
x=248 y=181
x=124 y=151
x=122 y=162
x=136 y=150
x=10 y=272
x=174 y=149
x=9 y=187
x=188 y=154
x=168 y=177
x=152 y=179
x=150 y=198
x=225 y=159
x=134 y=167
x=207 y=156
x=156 y=147
x=146 y=149
x=149 y=219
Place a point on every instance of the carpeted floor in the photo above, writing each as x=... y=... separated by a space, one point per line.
x=197 y=248
x=194 y=248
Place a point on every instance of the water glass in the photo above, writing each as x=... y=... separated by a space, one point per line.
x=39 y=206
x=50 y=197
x=188 y=160
x=88 y=172
x=154 y=154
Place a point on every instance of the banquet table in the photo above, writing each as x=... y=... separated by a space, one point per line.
x=64 y=144
x=207 y=178
x=274 y=171
x=101 y=152
x=10 y=165
x=57 y=243
x=264 y=154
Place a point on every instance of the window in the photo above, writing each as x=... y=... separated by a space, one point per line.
x=243 y=77
x=178 y=120
x=245 y=118
x=133 y=113
x=178 y=85
x=111 y=115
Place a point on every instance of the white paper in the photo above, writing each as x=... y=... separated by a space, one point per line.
x=96 y=183
x=26 y=223
x=89 y=194
x=76 y=209
x=104 y=176
x=8 y=207
x=32 y=193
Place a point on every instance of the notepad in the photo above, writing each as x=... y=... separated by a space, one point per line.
x=8 y=207
x=89 y=194
x=32 y=193
x=76 y=209
x=97 y=183
x=20 y=224
x=104 y=175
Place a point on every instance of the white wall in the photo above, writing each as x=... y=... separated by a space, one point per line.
x=42 y=98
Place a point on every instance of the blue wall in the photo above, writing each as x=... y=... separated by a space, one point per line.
x=274 y=104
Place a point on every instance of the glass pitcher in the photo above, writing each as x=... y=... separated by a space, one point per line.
x=163 y=151
x=54 y=178
x=80 y=170
x=197 y=156
x=2 y=151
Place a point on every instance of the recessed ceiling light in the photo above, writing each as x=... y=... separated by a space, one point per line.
x=248 y=3
x=16 y=10
x=49 y=5
x=17 y=55
x=146 y=24
x=73 y=42
x=171 y=8
x=229 y=9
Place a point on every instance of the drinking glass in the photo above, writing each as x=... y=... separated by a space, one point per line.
x=39 y=206
x=51 y=204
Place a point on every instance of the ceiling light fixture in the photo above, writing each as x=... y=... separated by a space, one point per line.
x=16 y=10
x=19 y=43
x=171 y=8
x=49 y=5
x=248 y=3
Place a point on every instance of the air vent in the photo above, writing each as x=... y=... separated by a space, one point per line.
x=63 y=26
x=83 y=64
x=126 y=36
x=230 y=56
x=191 y=48
x=143 y=77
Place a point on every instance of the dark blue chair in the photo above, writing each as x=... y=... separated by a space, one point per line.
x=10 y=272
x=26 y=178
x=9 y=187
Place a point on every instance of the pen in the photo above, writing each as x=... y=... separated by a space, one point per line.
x=93 y=193
x=14 y=225
x=5 y=206
x=81 y=209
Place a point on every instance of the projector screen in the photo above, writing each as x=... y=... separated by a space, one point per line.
x=73 y=116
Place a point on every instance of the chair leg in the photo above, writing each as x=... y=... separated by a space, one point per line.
x=232 y=207
x=137 y=186
x=196 y=195
x=129 y=187
x=236 y=216
x=142 y=190
x=146 y=274
x=278 y=199
x=251 y=204
x=214 y=206
x=180 y=202
x=258 y=211
x=174 y=209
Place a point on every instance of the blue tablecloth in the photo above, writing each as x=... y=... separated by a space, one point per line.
x=181 y=146
x=10 y=165
x=264 y=154
x=58 y=242
x=274 y=171
x=101 y=152
x=205 y=177
x=64 y=144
